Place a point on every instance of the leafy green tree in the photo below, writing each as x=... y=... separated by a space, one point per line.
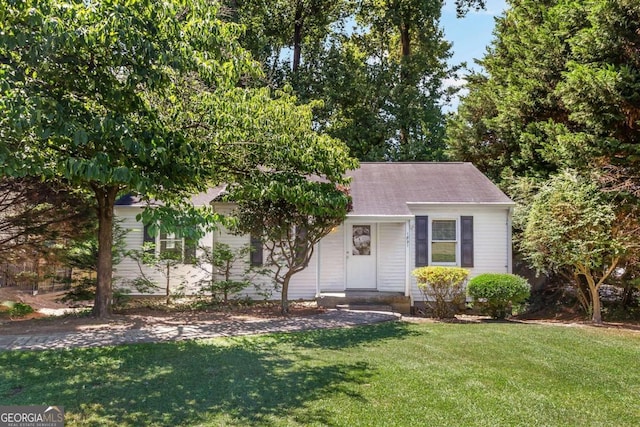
x=378 y=66
x=382 y=84
x=290 y=214
x=276 y=27
x=79 y=80
x=220 y=279
x=165 y=261
x=571 y=225
x=35 y=215
x=560 y=91
x=295 y=195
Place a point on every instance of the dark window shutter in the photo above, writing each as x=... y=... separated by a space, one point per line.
x=163 y=242
x=148 y=238
x=190 y=251
x=466 y=246
x=256 y=252
x=422 y=241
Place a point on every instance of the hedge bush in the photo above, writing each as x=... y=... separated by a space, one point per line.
x=17 y=309
x=495 y=293
x=443 y=288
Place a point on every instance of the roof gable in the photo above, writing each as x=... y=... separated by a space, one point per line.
x=386 y=188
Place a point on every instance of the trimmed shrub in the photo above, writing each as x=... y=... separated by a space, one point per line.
x=17 y=309
x=495 y=293
x=443 y=289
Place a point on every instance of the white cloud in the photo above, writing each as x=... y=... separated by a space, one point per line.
x=492 y=8
x=453 y=82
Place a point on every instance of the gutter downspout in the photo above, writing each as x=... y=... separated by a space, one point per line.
x=407 y=278
x=509 y=263
x=318 y=245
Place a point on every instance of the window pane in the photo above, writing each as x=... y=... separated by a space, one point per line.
x=361 y=240
x=443 y=230
x=443 y=252
x=171 y=249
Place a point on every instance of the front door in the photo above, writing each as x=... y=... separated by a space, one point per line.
x=361 y=256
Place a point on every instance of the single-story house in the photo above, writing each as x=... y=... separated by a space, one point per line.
x=405 y=215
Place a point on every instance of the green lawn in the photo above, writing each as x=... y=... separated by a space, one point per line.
x=490 y=374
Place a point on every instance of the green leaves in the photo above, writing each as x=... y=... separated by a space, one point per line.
x=79 y=79
x=496 y=293
x=561 y=91
x=385 y=106
x=570 y=224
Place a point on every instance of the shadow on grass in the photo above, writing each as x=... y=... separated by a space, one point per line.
x=244 y=381
x=340 y=338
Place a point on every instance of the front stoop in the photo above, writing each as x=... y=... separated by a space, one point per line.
x=366 y=300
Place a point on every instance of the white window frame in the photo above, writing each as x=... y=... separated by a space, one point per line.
x=456 y=241
x=171 y=238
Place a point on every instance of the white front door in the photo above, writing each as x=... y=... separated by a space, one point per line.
x=361 y=256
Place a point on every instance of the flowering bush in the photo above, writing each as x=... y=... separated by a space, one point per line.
x=443 y=288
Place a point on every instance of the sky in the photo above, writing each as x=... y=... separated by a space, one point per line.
x=470 y=35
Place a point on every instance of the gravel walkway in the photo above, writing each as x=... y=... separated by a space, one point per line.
x=165 y=333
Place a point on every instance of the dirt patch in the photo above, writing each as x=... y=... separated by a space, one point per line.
x=54 y=316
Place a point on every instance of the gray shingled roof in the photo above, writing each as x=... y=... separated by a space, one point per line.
x=386 y=188
x=200 y=199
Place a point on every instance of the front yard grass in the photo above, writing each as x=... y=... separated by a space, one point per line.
x=392 y=374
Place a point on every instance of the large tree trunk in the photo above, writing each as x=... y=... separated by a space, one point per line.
x=297 y=35
x=168 y=287
x=106 y=198
x=405 y=52
x=405 y=41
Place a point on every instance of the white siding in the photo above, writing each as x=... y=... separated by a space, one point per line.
x=391 y=257
x=491 y=237
x=491 y=252
x=182 y=278
x=186 y=277
x=302 y=285
x=332 y=261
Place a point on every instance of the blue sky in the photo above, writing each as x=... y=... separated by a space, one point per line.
x=470 y=35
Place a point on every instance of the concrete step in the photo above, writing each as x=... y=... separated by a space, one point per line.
x=398 y=302
x=365 y=307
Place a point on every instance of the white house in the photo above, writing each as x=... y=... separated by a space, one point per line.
x=405 y=215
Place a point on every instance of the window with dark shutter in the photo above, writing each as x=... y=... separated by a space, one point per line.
x=148 y=239
x=466 y=244
x=190 y=247
x=422 y=241
x=255 y=257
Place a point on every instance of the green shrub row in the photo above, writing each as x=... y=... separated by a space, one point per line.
x=493 y=293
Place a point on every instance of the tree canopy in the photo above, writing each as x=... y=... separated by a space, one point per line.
x=559 y=91
x=297 y=192
x=140 y=97
x=378 y=67
x=570 y=224
x=35 y=216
